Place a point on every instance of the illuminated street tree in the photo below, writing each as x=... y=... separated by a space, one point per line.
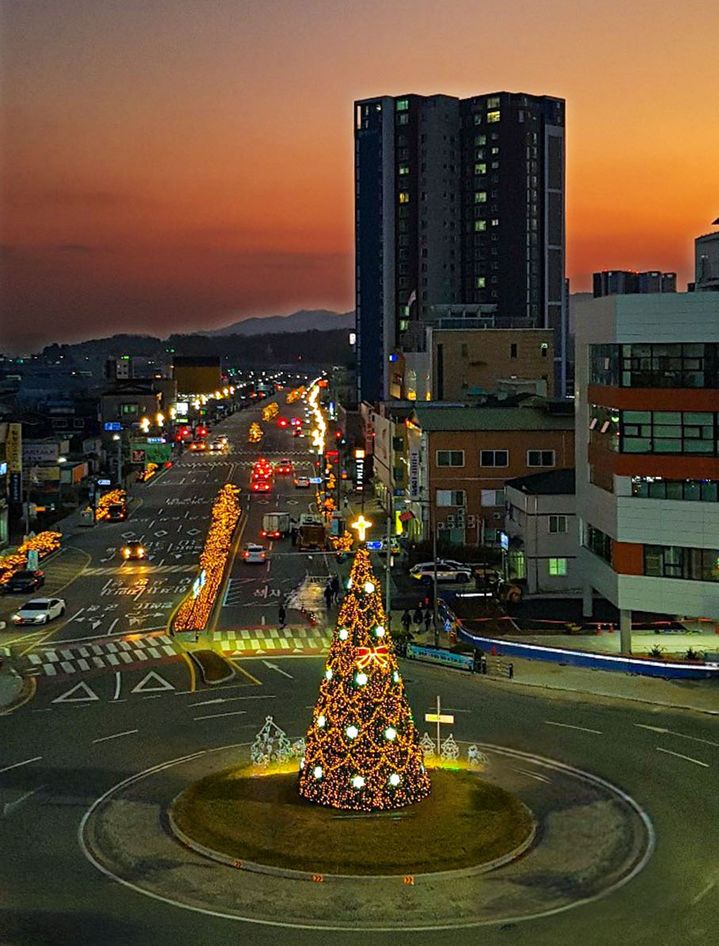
x=363 y=750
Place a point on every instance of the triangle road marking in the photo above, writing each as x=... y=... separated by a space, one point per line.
x=152 y=683
x=86 y=695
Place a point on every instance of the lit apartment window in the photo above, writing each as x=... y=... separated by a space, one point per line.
x=493 y=101
x=494 y=457
x=404 y=197
x=404 y=169
x=557 y=566
x=480 y=226
x=480 y=168
x=557 y=524
x=480 y=140
x=450 y=458
x=480 y=197
x=540 y=458
x=495 y=221
x=493 y=116
x=402 y=105
x=480 y=282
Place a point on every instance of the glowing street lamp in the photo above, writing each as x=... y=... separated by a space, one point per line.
x=361 y=525
x=145 y=424
x=160 y=418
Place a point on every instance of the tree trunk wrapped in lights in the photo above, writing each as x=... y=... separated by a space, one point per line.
x=363 y=750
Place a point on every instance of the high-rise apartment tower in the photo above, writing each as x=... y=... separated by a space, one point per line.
x=457 y=201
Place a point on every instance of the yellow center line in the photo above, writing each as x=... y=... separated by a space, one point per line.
x=193 y=673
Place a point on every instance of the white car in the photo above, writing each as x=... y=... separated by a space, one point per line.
x=447 y=570
x=39 y=611
x=302 y=482
x=254 y=554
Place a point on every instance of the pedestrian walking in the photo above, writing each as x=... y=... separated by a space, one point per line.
x=328 y=595
x=417 y=617
x=406 y=621
x=282 y=615
x=428 y=616
x=335 y=584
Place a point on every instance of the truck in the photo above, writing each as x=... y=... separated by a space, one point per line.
x=275 y=524
x=312 y=534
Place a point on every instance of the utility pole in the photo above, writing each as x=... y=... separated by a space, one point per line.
x=118 y=440
x=433 y=523
x=388 y=558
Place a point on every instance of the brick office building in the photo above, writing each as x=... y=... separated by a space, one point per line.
x=461 y=457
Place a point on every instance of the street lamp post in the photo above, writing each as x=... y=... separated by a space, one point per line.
x=118 y=440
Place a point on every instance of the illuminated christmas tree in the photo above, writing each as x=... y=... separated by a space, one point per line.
x=363 y=750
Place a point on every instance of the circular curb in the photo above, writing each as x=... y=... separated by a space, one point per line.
x=291 y=874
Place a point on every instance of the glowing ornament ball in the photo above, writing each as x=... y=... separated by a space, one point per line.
x=362 y=749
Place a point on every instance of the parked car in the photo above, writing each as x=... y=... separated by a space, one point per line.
x=302 y=482
x=254 y=554
x=134 y=551
x=447 y=570
x=24 y=581
x=39 y=611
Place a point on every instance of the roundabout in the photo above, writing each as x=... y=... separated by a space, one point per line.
x=590 y=839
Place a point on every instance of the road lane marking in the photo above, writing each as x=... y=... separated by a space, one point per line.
x=272 y=666
x=680 y=756
x=704 y=892
x=539 y=778
x=109 y=630
x=551 y=722
x=118 y=685
x=244 y=672
x=16 y=765
x=11 y=806
x=234 y=699
x=216 y=715
x=127 y=732
x=679 y=735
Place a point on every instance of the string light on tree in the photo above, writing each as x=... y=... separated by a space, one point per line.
x=362 y=737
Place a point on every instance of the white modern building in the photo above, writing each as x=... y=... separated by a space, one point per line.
x=541 y=523
x=647 y=453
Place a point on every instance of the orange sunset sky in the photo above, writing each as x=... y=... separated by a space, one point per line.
x=171 y=165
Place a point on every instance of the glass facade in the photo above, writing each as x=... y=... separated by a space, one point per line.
x=648 y=487
x=599 y=543
x=666 y=365
x=675 y=561
x=655 y=432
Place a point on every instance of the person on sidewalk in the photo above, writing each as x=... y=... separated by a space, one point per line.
x=335 y=585
x=428 y=618
x=417 y=617
x=328 y=595
x=406 y=621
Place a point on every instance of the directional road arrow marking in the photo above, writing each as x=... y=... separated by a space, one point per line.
x=95 y=624
x=146 y=685
x=85 y=694
x=272 y=666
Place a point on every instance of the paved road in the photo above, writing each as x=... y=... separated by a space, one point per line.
x=58 y=756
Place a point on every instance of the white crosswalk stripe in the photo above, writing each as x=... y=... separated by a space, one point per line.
x=147 y=568
x=101 y=656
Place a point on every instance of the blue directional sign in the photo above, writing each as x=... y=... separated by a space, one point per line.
x=315 y=480
x=375 y=544
x=113 y=425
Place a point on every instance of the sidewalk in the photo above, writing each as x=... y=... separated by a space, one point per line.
x=699 y=695
x=12 y=687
